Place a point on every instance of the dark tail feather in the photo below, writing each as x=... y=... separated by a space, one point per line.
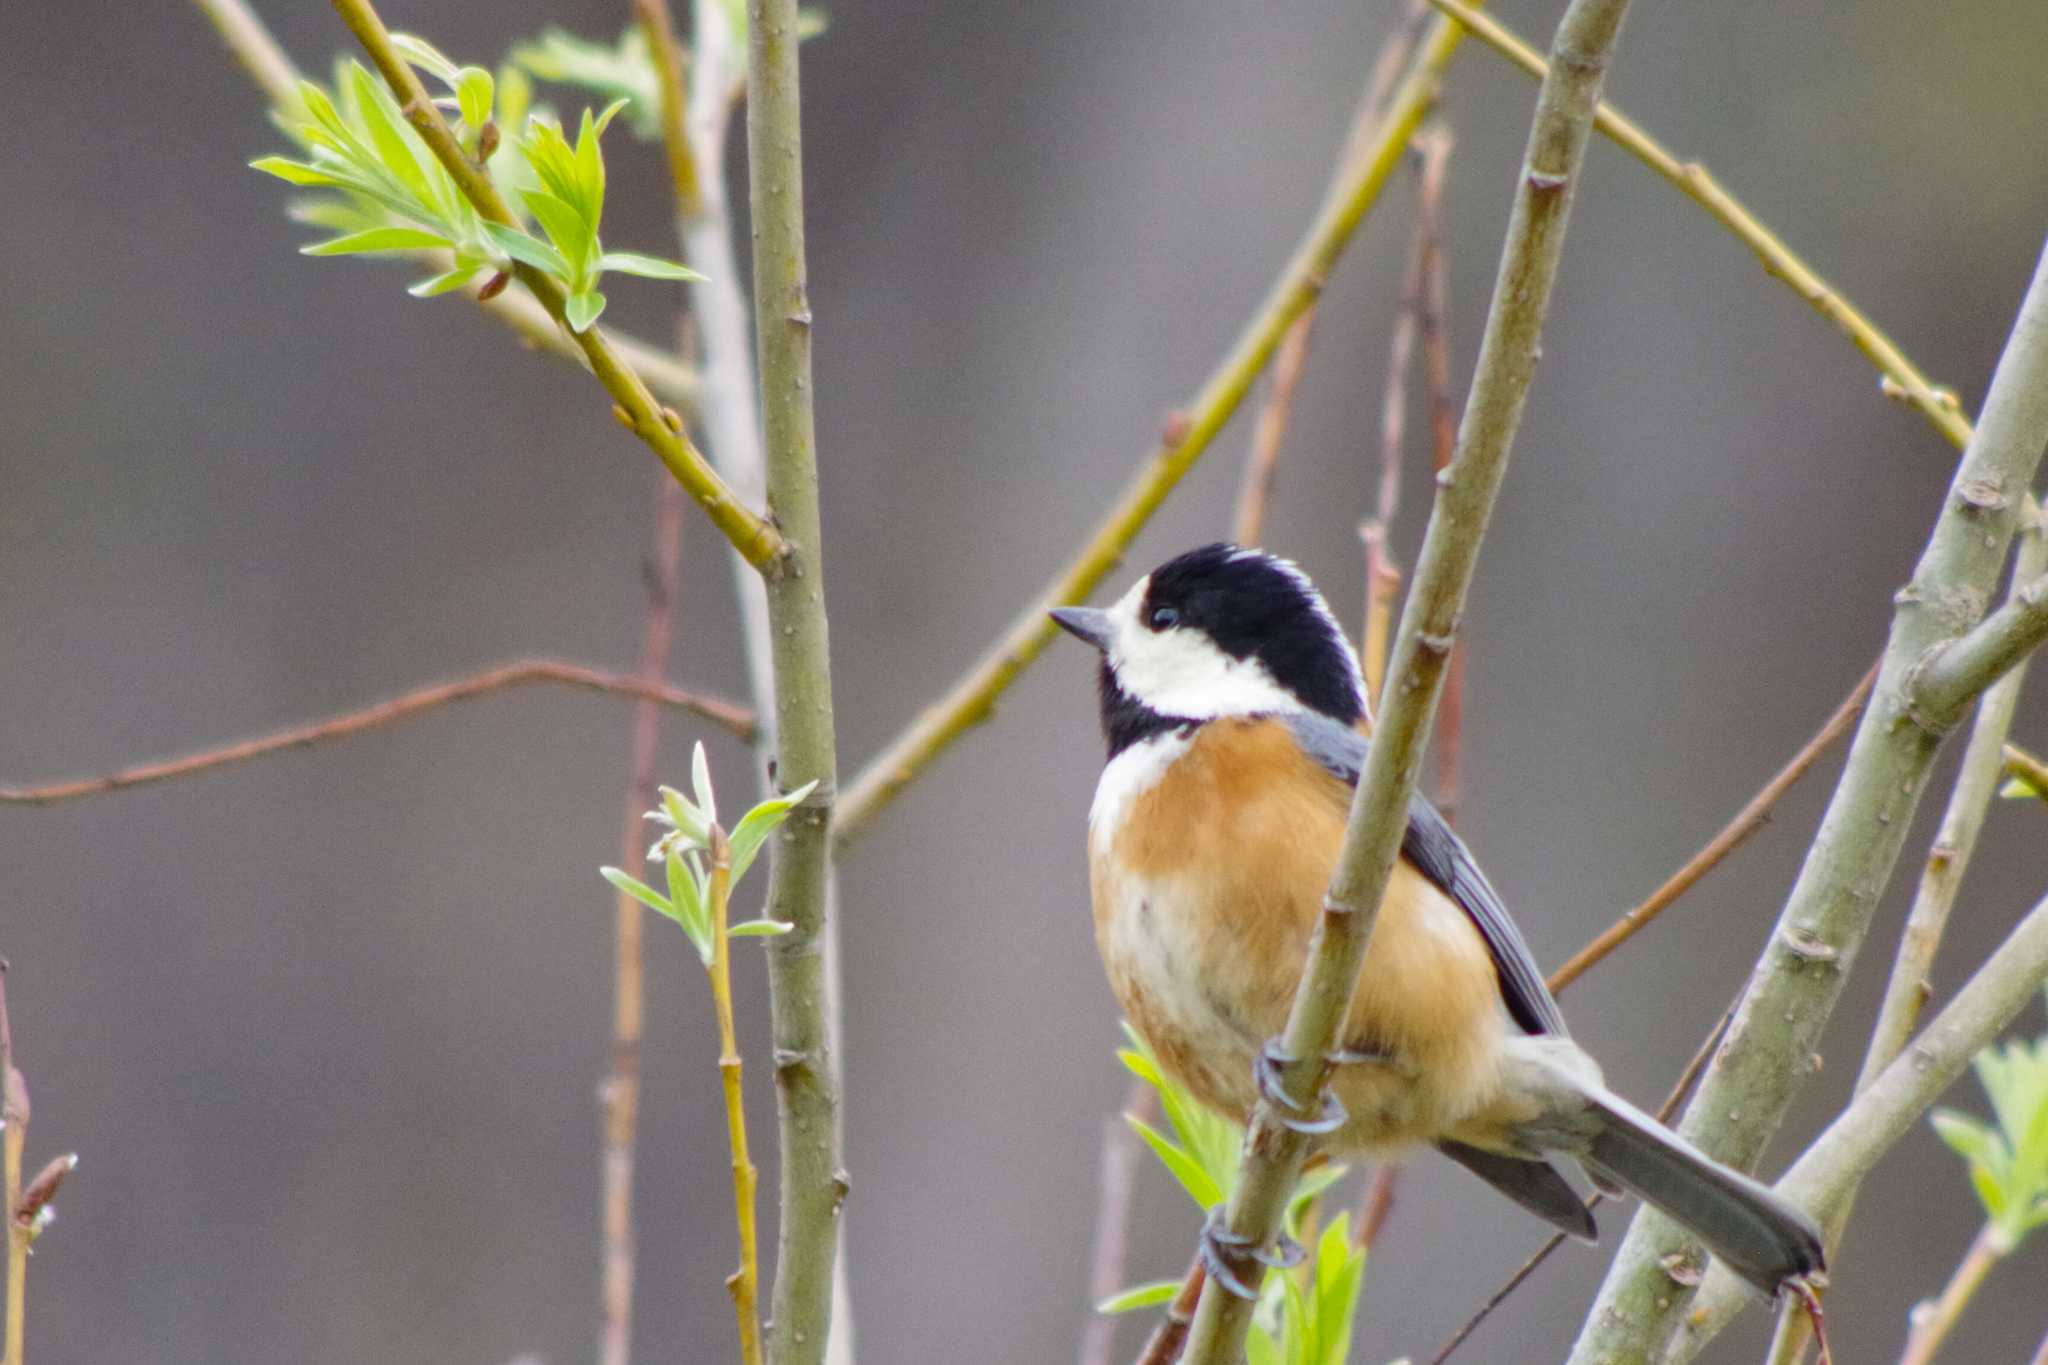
x=1535 y=1185
x=1754 y=1231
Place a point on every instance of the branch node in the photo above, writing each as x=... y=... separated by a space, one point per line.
x=1982 y=495
x=1547 y=182
x=1682 y=1267
x=1806 y=945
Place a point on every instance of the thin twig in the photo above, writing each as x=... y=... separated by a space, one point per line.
x=272 y=70
x=1740 y=826
x=1273 y=1150
x=745 y=1282
x=13 y=1136
x=2027 y=769
x=620 y=1096
x=1901 y=378
x=1170 y=1337
x=729 y=715
x=1800 y=972
x=1377 y=1204
x=1676 y=1096
x=1119 y=1166
x=1269 y=431
x=1946 y=682
x=813 y=1184
x=1187 y=435
x=1435 y=316
x=1932 y=1322
x=634 y=405
x=1891 y=1106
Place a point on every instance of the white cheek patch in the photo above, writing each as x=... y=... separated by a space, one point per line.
x=1183 y=673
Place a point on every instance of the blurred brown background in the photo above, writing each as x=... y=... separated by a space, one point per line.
x=327 y=1029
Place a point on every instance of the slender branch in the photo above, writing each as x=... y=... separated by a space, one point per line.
x=1799 y=974
x=659 y=28
x=13 y=1136
x=1170 y=1337
x=1676 y=1096
x=1931 y=1322
x=1116 y=1183
x=1901 y=378
x=1376 y=1205
x=730 y=715
x=2027 y=769
x=1891 y=1106
x=1910 y=983
x=619 y=1098
x=274 y=74
x=1732 y=835
x=745 y=1282
x=813 y=1185
x=1263 y=461
x=972 y=699
x=1435 y=317
x=635 y=406
x=1950 y=679
x=1507 y=357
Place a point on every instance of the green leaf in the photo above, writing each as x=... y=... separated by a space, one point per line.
x=473 y=91
x=566 y=228
x=583 y=310
x=395 y=143
x=1139 y=1296
x=638 y=890
x=590 y=165
x=292 y=172
x=700 y=783
x=425 y=56
x=686 y=889
x=1969 y=1138
x=1260 y=1349
x=445 y=283
x=378 y=239
x=685 y=817
x=651 y=267
x=760 y=928
x=810 y=22
x=757 y=824
x=1201 y=1187
x=528 y=249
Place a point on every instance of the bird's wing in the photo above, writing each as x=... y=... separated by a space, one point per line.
x=1438 y=853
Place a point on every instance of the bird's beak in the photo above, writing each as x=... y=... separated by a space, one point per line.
x=1084 y=623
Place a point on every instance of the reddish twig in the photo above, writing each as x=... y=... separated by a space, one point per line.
x=13 y=1136
x=1113 y=1222
x=619 y=1099
x=730 y=715
x=1269 y=431
x=1433 y=317
x=1377 y=1204
x=1679 y=1090
x=1745 y=823
x=1164 y=1346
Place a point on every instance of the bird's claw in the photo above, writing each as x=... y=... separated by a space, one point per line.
x=1225 y=1255
x=1267 y=1068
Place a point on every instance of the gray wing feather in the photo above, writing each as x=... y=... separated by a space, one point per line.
x=1437 y=852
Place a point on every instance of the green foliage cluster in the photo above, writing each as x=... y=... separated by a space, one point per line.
x=1305 y=1314
x=389 y=193
x=2008 y=1157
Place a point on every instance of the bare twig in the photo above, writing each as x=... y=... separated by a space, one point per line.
x=1901 y=378
x=1377 y=1203
x=1931 y=1322
x=1170 y=1337
x=744 y=1282
x=1890 y=1107
x=972 y=699
x=635 y=406
x=2027 y=769
x=1273 y=1148
x=1947 y=681
x=1799 y=974
x=620 y=1096
x=1112 y=1222
x=1679 y=1089
x=729 y=715
x=1249 y=525
x=13 y=1136
x=1744 y=823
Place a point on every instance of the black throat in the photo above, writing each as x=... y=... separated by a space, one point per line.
x=1126 y=720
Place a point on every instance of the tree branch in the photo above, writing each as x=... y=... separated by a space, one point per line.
x=634 y=404
x=1948 y=680
x=730 y=715
x=1902 y=380
x=1799 y=975
x=812 y=1184
x=1118 y=1167
x=1507 y=359
x=1262 y=462
x=14 y=1111
x=1744 y=823
x=1889 y=1107
x=972 y=699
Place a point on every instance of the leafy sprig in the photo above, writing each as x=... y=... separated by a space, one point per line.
x=690 y=827
x=392 y=195
x=2007 y=1158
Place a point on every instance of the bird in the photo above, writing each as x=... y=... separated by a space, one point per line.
x=1233 y=711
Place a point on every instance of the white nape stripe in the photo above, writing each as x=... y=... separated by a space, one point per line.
x=1129 y=776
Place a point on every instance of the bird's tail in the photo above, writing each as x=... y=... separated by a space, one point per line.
x=1754 y=1230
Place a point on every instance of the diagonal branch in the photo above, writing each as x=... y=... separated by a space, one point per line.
x=1273 y=1149
x=1798 y=976
x=732 y=716
x=972 y=699
x=635 y=406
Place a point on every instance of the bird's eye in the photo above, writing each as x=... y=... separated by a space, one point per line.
x=1165 y=618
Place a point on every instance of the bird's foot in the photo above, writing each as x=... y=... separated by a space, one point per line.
x=1268 y=1070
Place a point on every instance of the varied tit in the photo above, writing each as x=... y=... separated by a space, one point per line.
x=1231 y=704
